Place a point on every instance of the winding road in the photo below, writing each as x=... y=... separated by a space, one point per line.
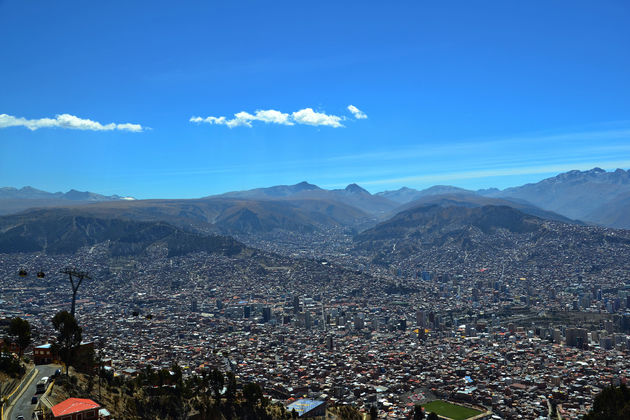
x=22 y=406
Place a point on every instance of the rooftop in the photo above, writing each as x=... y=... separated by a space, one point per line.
x=304 y=406
x=74 y=405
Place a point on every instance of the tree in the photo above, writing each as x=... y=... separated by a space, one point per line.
x=68 y=338
x=21 y=329
x=230 y=392
x=252 y=393
x=217 y=380
x=418 y=414
x=611 y=403
x=177 y=374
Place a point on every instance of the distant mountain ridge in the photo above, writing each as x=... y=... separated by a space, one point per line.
x=219 y=215
x=274 y=192
x=405 y=195
x=423 y=220
x=472 y=200
x=595 y=196
x=13 y=200
x=488 y=236
x=56 y=232
x=435 y=227
x=353 y=195
x=30 y=193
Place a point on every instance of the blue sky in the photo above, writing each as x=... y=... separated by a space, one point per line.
x=472 y=94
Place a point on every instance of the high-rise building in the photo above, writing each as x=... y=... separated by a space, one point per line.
x=247 y=311
x=577 y=337
x=606 y=343
x=609 y=326
x=266 y=314
x=296 y=304
x=420 y=318
x=308 y=322
x=358 y=322
x=329 y=342
x=402 y=324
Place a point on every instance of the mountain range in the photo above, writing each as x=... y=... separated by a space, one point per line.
x=13 y=200
x=353 y=195
x=595 y=197
x=60 y=232
x=30 y=193
x=406 y=219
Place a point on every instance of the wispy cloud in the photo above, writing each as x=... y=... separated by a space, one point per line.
x=428 y=148
x=66 y=121
x=499 y=172
x=306 y=116
x=358 y=114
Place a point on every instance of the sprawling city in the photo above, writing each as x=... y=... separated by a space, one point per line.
x=332 y=210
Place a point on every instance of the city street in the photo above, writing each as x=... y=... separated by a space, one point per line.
x=23 y=406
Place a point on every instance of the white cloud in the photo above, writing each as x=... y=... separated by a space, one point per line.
x=136 y=128
x=273 y=116
x=66 y=121
x=309 y=117
x=304 y=116
x=358 y=114
x=245 y=118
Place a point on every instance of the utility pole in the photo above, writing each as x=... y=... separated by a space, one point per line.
x=80 y=275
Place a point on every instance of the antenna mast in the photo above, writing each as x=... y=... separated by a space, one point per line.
x=80 y=275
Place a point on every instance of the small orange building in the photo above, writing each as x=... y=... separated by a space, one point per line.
x=76 y=409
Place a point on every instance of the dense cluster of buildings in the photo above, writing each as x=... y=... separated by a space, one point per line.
x=514 y=337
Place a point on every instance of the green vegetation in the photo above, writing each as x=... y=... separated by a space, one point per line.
x=345 y=412
x=453 y=411
x=10 y=365
x=611 y=404
x=20 y=329
x=418 y=414
x=68 y=339
x=166 y=393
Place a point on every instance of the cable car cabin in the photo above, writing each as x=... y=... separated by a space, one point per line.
x=23 y=273
x=41 y=275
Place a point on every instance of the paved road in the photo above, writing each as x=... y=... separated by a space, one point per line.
x=23 y=406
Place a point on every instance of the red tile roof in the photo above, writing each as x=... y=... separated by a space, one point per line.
x=74 y=405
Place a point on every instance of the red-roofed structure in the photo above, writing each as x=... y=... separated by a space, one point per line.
x=76 y=409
